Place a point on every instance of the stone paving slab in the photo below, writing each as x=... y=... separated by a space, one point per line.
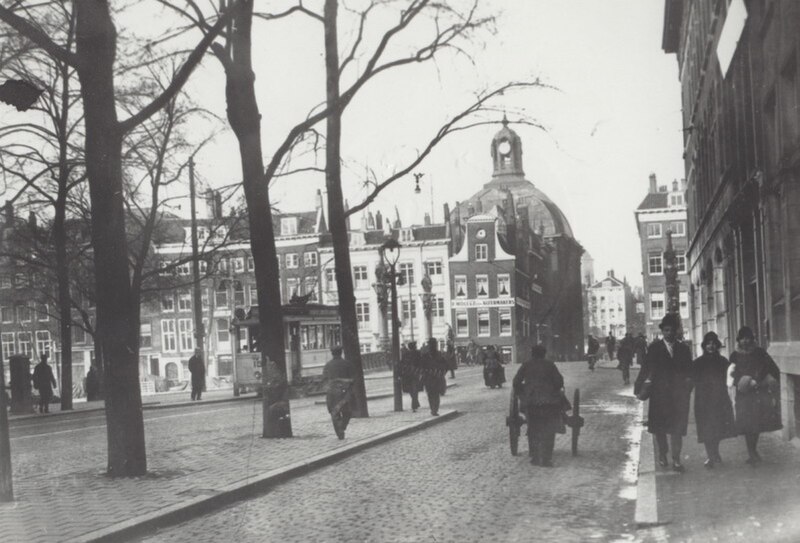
x=62 y=493
x=733 y=501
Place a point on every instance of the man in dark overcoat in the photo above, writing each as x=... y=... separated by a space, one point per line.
x=611 y=345
x=340 y=375
x=92 y=384
x=640 y=348
x=410 y=373
x=540 y=386
x=625 y=357
x=667 y=375
x=198 y=370
x=44 y=381
x=434 y=367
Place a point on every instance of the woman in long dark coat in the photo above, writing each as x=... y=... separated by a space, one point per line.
x=755 y=376
x=667 y=373
x=540 y=384
x=713 y=412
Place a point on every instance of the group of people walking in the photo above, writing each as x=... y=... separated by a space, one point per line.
x=732 y=397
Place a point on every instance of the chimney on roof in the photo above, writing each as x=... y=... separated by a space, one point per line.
x=674 y=185
x=611 y=273
x=427 y=220
x=446 y=213
x=653 y=184
x=370 y=221
x=217 y=205
x=378 y=220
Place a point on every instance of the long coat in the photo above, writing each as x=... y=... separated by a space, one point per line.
x=43 y=380
x=434 y=366
x=198 y=371
x=713 y=411
x=538 y=383
x=339 y=374
x=410 y=375
x=757 y=410
x=671 y=389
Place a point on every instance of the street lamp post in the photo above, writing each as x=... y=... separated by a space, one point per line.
x=390 y=253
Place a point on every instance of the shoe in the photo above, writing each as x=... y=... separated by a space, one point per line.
x=414 y=410
x=709 y=464
x=718 y=459
x=435 y=413
x=662 y=461
x=678 y=467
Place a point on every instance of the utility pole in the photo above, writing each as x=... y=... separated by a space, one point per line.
x=197 y=304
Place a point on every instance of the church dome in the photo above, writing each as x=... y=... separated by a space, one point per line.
x=544 y=216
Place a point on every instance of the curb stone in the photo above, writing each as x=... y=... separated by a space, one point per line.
x=646 y=515
x=248 y=487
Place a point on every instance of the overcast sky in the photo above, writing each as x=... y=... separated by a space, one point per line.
x=613 y=121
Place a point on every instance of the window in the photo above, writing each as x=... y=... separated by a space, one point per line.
x=42 y=312
x=223 y=331
x=505 y=322
x=237 y=264
x=676 y=199
x=360 y=276
x=253 y=295
x=678 y=229
x=481 y=251
x=460 y=286
x=8 y=343
x=251 y=264
x=330 y=280
x=145 y=335
x=204 y=298
x=655 y=263
x=503 y=284
x=437 y=310
x=185 y=329
x=406 y=270
x=289 y=226
x=483 y=323
x=184 y=300
x=167 y=302
x=406 y=234
x=366 y=348
x=223 y=265
x=184 y=269
x=654 y=230
x=24 y=339
x=78 y=334
x=462 y=324
x=5 y=282
x=292 y=260
x=20 y=280
x=43 y=342
x=202 y=266
x=656 y=305
x=6 y=315
x=409 y=311
x=168 y=342
x=434 y=270
x=221 y=295
x=309 y=259
x=362 y=315
x=238 y=294
x=680 y=262
x=292 y=284
x=310 y=287
x=23 y=313
x=482 y=286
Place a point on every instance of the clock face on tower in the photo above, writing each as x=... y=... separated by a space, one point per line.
x=504 y=147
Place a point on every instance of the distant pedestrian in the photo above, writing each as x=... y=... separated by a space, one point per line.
x=410 y=375
x=44 y=381
x=666 y=378
x=540 y=386
x=713 y=411
x=611 y=345
x=450 y=355
x=92 y=385
x=756 y=377
x=592 y=348
x=198 y=370
x=640 y=348
x=494 y=374
x=434 y=368
x=340 y=375
x=625 y=356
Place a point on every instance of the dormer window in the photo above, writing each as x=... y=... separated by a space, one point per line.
x=675 y=199
x=406 y=234
x=289 y=226
x=481 y=251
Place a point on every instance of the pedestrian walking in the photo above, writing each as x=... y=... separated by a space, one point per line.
x=756 y=377
x=540 y=387
x=410 y=373
x=713 y=411
x=92 y=385
x=198 y=370
x=452 y=362
x=434 y=368
x=611 y=344
x=339 y=374
x=666 y=379
x=625 y=356
x=640 y=348
x=44 y=381
x=494 y=374
x=592 y=347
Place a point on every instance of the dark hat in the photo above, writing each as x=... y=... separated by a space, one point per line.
x=745 y=331
x=712 y=337
x=670 y=319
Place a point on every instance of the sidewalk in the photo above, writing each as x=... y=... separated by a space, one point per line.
x=62 y=493
x=733 y=501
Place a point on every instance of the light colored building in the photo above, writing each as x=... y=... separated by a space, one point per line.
x=611 y=308
x=662 y=210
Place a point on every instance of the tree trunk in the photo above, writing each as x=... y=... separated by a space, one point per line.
x=338 y=223
x=64 y=302
x=245 y=120
x=117 y=311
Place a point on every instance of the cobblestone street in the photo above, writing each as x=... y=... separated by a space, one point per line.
x=458 y=481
